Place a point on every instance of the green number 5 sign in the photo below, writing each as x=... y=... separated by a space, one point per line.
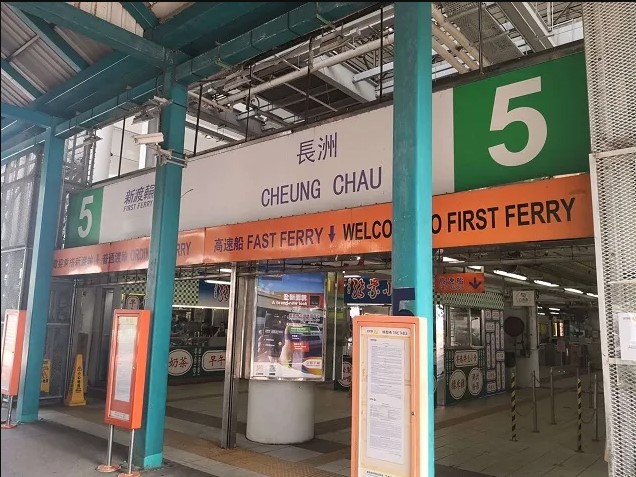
x=84 y=218
x=529 y=123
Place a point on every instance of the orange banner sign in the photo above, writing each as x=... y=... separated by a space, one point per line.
x=341 y=232
x=124 y=255
x=460 y=283
x=553 y=209
x=81 y=260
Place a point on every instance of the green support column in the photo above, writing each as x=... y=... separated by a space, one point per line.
x=412 y=183
x=161 y=268
x=40 y=277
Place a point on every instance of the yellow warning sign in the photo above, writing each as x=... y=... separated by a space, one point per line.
x=75 y=396
x=45 y=384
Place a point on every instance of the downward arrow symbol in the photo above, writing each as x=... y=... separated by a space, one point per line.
x=332 y=233
x=475 y=283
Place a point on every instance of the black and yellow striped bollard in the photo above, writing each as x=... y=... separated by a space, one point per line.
x=513 y=406
x=579 y=413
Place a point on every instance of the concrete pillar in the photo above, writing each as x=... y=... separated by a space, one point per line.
x=161 y=269
x=412 y=269
x=101 y=164
x=46 y=219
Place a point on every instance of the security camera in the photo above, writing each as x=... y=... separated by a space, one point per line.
x=153 y=138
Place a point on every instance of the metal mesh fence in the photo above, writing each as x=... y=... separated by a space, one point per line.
x=612 y=99
x=19 y=182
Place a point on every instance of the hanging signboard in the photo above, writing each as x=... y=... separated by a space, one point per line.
x=289 y=329
x=552 y=209
x=460 y=283
x=529 y=123
x=523 y=297
x=130 y=254
x=127 y=368
x=367 y=291
x=390 y=411
x=12 y=343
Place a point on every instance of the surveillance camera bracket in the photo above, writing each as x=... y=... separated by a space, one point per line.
x=166 y=157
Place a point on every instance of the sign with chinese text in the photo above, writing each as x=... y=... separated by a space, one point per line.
x=390 y=397
x=288 y=338
x=45 y=383
x=505 y=128
x=125 y=255
x=127 y=368
x=367 y=291
x=494 y=349
x=523 y=297
x=12 y=343
x=460 y=283
x=466 y=374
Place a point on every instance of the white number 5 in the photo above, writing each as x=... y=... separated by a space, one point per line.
x=533 y=119
x=85 y=214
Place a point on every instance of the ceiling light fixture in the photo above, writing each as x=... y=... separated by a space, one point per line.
x=451 y=260
x=352 y=276
x=510 y=275
x=545 y=284
x=554 y=309
x=593 y=295
x=541 y=313
x=475 y=267
x=574 y=290
x=219 y=282
x=226 y=270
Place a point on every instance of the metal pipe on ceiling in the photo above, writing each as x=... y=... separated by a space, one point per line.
x=455 y=33
x=448 y=56
x=459 y=52
x=331 y=61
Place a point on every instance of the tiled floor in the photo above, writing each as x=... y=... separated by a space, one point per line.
x=471 y=439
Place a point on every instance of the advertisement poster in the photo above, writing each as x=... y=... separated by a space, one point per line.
x=289 y=330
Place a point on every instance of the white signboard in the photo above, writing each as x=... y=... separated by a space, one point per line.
x=523 y=298
x=627 y=335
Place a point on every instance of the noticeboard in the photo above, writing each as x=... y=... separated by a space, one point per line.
x=12 y=342
x=390 y=397
x=127 y=368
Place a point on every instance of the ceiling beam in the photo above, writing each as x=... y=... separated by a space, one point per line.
x=341 y=78
x=199 y=19
x=141 y=13
x=528 y=23
x=267 y=37
x=20 y=80
x=68 y=16
x=47 y=33
x=28 y=115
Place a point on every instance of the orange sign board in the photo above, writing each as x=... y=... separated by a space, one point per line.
x=552 y=209
x=124 y=255
x=12 y=343
x=460 y=283
x=340 y=232
x=127 y=368
x=81 y=260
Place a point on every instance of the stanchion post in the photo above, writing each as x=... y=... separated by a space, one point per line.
x=7 y=424
x=535 y=417
x=595 y=407
x=579 y=412
x=552 y=411
x=129 y=472
x=513 y=406
x=589 y=383
x=108 y=466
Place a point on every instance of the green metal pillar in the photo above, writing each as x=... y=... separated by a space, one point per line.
x=412 y=257
x=161 y=269
x=48 y=212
